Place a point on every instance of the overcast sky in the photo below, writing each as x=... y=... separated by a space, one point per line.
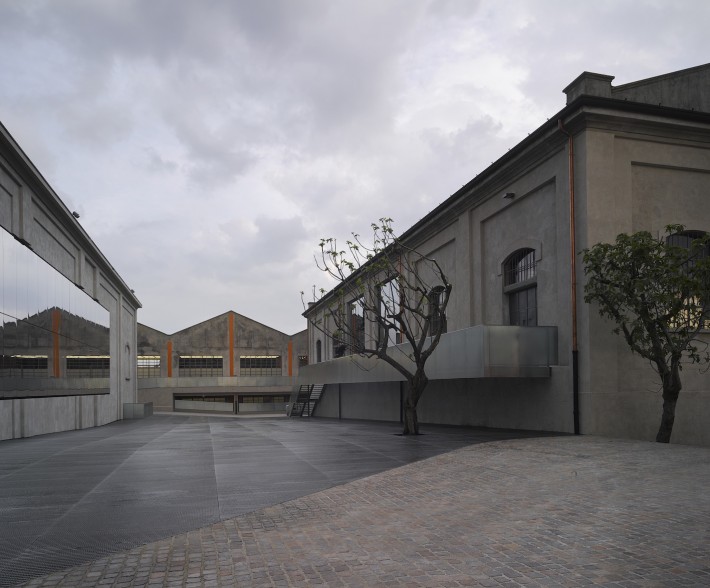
x=208 y=145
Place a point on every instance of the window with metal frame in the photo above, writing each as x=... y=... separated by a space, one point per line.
x=357 y=325
x=148 y=366
x=700 y=250
x=200 y=365
x=519 y=267
x=690 y=240
x=24 y=366
x=520 y=286
x=438 y=317
x=390 y=297
x=340 y=346
x=88 y=366
x=260 y=365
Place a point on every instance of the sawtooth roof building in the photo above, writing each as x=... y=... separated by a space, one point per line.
x=228 y=364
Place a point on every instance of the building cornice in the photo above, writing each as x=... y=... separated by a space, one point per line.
x=25 y=169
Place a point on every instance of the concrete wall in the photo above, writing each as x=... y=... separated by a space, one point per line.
x=495 y=402
x=639 y=182
x=367 y=401
x=635 y=168
x=511 y=403
x=32 y=212
x=212 y=337
x=685 y=89
x=162 y=398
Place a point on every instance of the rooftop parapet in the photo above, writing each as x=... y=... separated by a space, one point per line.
x=687 y=89
x=589 y=84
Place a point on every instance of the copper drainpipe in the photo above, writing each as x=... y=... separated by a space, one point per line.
x=573 y=269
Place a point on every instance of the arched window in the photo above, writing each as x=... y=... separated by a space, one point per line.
x=319 y=357
x=520 y=286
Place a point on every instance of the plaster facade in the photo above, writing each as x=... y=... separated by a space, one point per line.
x=638 y=159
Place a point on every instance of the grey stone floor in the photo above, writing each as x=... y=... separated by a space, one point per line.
x=71 y=498
x=543 y=512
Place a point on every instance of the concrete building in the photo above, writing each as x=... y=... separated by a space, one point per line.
x=68 y=322
x=229 y=363
x=614 y=159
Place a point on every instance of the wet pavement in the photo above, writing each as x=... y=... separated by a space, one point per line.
x=71 y=498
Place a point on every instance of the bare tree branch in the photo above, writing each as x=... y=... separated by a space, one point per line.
x=390 y=302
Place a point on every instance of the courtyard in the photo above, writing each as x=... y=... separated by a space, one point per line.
x=184 y=500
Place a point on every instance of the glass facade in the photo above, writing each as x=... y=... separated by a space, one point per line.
x=50 y=328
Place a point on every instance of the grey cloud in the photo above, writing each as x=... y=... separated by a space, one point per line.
x=159 y=29
x=273 y=244
x=467 y=143
x=175 y=106
x=99 y=126
x=453 y=8
x=314 y=75
x=154 y=162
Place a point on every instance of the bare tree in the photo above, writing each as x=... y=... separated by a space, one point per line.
x=389 y=302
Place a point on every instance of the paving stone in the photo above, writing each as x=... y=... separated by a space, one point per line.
x=533 y=511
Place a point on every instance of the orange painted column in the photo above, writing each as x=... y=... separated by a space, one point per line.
x=231 y=344
x=56 y=320
x=170 y=359
x=290 y=358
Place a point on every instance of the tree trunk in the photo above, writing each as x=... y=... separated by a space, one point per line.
x=671 y=389
x=414 y=390
x=411 y=423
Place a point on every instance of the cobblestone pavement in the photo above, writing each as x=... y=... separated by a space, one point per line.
x=560 y=511
x=70 y=498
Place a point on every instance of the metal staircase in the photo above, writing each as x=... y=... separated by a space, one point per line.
x=305 y=399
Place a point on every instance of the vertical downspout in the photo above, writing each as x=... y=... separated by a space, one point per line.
x=573 y=269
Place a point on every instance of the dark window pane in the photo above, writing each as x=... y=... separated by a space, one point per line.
x=523 y=307
x=260 y=365
x=200 y=365
x=519 y=267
